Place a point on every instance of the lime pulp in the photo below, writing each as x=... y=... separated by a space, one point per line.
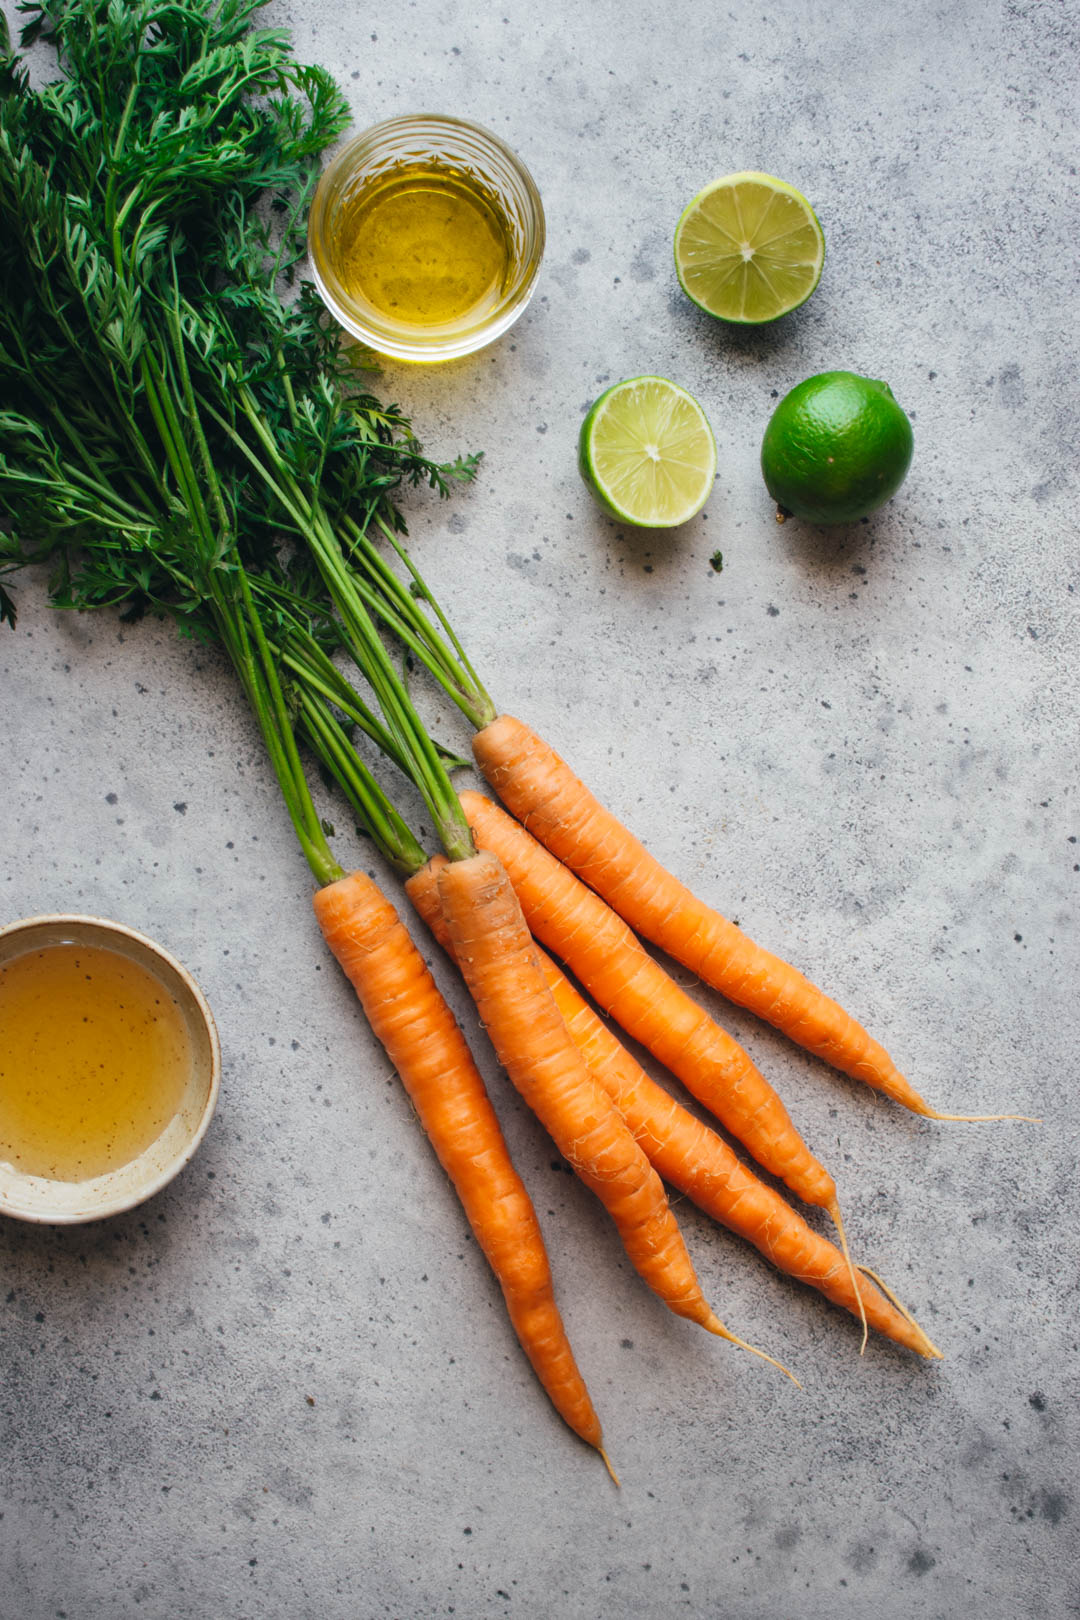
x=647 y=453
x=749 y=248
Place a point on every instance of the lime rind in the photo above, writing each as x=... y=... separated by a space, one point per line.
x=836 y=448
x=748 y=248
x=647 y=453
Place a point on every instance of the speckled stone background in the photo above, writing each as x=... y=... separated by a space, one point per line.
x=286 y=1388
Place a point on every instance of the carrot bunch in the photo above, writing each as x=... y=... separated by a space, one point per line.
x=621 y=1132
x=492 y=893
x=563 y=872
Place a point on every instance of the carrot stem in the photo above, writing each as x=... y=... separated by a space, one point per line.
x=378 y=817
x=397 y=606
x=423 y=762
x=238 y=623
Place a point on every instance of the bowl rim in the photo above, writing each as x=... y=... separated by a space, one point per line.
x=137 y=1195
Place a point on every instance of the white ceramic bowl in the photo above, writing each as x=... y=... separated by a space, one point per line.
x=37 y=1198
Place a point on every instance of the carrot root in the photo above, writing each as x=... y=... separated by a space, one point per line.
x=429 y=1052
x=545 y=795
x=607 y=1465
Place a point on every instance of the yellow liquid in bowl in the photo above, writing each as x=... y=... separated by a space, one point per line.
x=425 y=249
x=95 y=1058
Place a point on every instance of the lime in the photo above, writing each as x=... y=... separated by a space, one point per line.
x=748 y=248
x=835 y=448
x=647 y=453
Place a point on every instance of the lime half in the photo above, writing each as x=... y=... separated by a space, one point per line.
x=647 y=453
x=749 y=248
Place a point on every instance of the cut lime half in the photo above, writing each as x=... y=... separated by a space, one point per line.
x=647 y=453
x=748 y=248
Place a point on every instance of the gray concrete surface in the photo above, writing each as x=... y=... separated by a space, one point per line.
x=286 y=1387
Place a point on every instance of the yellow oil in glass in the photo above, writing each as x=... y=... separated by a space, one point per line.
x=95 y=1058
x=427 y=248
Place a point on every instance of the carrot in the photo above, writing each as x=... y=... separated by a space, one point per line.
x=626 y=981
x=693 y=1158
x=559 y=810
x=697 y=1161
x=422 y=1040
x=652 y=1008
x=496 y=955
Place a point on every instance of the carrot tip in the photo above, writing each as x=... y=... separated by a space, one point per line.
x=607 y=1465
x=928 y=1349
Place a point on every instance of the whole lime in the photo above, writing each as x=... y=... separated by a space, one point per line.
x=835 y=448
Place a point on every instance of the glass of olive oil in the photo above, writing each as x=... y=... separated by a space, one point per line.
x=109 y=1068
x=426 y=235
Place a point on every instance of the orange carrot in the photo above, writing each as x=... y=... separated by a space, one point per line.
x=497 y=958
x=693 y=1158
x=559 y=810
x=700 y=1164
x=626 y=982
x=425 y=1045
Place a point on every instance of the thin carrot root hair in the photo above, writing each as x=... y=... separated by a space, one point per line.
x=931 y=1352
x=717 y=1327
x=838 y=1222
x=976 y=1119
x=607 y=1465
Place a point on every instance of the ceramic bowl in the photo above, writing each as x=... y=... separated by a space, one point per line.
x=38 y=1198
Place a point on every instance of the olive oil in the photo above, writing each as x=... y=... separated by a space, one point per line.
x=425 y=248
x=95 y=1059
